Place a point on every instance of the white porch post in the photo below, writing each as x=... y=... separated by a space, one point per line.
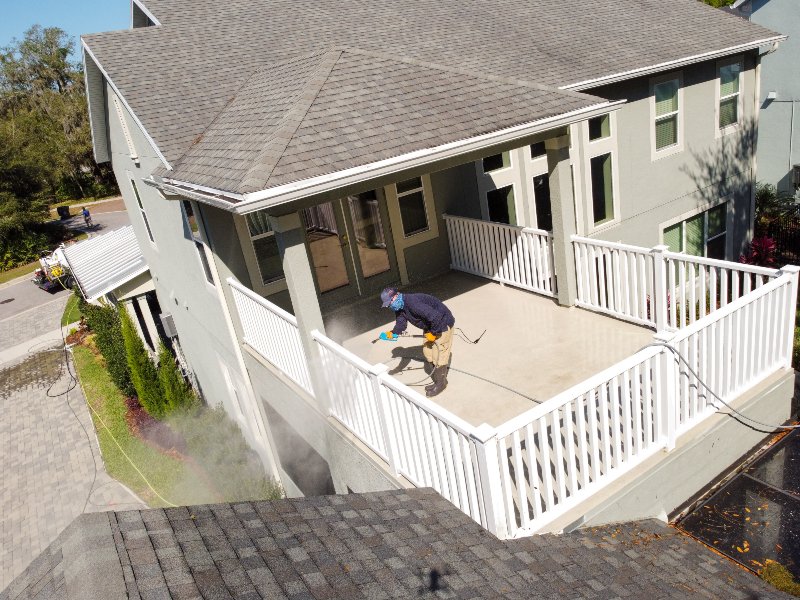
x=149 y=322
x=667 y=372
x=488 y=459
x=794 y=271
x=562 y=204
x=658 y=301
x=300 y=283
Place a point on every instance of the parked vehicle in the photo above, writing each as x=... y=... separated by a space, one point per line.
x=53 y=274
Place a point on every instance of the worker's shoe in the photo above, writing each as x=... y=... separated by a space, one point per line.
x=439 y=382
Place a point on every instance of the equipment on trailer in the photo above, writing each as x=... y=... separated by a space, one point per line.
x=53 y=273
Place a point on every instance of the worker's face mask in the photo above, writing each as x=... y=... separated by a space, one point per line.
x=398 y=303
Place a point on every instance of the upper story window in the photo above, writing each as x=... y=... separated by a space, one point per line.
x=538 y=150
x=599 y=128
x=667 y=113
x=729 y=93
x=198 y=237
x=496 y=162
x=265 y=247
x=602 y=188
x=413 y=208
x=142 y=211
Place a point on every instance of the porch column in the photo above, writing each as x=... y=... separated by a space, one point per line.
x=562 y=204
x=149 y=322
x=290 y=238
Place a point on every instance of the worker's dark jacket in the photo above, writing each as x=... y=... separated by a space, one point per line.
x=424 y=311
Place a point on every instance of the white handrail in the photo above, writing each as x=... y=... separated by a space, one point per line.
x=612 y=245
x=722 y=264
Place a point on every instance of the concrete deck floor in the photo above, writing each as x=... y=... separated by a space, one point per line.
x=532 y=350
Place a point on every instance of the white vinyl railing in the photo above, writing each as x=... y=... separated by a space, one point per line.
x=517 y=256
x=733 y=349
x=616 y=279
x=656 y=287
x=272 y=332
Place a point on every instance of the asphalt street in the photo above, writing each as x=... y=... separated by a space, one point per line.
x=23 y=296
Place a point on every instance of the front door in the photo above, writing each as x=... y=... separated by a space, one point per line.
x=350 y=246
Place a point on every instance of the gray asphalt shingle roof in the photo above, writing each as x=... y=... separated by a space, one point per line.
x=342 y=108
x=395 y=544
x=178 y=77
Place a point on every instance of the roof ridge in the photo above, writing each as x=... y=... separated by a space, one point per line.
x=460 y=71
x=257 y=175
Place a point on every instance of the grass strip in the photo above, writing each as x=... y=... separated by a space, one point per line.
x=170 y=476
x=72 y=311
x=18 y=271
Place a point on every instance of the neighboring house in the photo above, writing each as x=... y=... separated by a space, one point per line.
x=778 y=152
x=283 y=162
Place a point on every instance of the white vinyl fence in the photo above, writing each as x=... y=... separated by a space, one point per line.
x=656 y=287
x=518 y=256
x=272 y=332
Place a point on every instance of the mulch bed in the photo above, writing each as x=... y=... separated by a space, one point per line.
x=153 y=432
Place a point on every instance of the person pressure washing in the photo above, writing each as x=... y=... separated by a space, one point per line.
x=434 y=318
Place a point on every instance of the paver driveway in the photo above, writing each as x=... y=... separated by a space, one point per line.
x=50 y=465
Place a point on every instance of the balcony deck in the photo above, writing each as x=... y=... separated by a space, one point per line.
x=533 y=349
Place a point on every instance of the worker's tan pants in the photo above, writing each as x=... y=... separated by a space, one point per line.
x=438 y=353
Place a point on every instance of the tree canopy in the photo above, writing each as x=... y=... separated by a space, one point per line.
x=45 y=140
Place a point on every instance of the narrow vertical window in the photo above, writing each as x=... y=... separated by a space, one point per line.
x=413 y=212
x=729 y=95
x=193 y=224
x=602 y=188
x=142 y=211
x=265 y=247
x=667 y=110
x=501 y=205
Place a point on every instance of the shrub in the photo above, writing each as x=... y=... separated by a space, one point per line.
x=177 y=393
x=218 y=445
x=104 y=322
x=761 y=252
x=143 y=372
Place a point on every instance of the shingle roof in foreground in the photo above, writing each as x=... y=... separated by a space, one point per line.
x=398 y=544
x=179 y=76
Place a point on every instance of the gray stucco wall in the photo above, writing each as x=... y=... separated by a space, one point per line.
x=178 y=276
x=778 y=137
x=708 y=168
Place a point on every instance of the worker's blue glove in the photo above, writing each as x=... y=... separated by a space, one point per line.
x=388 y=336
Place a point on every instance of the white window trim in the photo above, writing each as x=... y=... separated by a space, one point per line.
x=655 y=153
x=137 y=198
x=512 y=176
x=253 y=270
x=202 y=239
x=733 y=127
x=401 y=242
x=607 y=145
x=729 y=224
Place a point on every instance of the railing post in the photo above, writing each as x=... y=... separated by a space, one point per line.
x=668 y=417
x=484 y=439
x=659 y=300
x=376 y=372
x=793 y=272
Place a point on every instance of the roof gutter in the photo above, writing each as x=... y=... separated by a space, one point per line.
x=254 y=201
x=673 y=64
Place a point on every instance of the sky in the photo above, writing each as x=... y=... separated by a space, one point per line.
x=73 y=16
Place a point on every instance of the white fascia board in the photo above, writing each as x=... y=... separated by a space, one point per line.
x=127 y=106
x=145 y=10
x=247 y=203
x=669 y=65
x=89 y=101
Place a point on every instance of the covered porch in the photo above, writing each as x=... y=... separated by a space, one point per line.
x=532 y=350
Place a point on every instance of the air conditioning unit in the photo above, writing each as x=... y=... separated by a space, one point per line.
x=168 y=323
x=796 y=176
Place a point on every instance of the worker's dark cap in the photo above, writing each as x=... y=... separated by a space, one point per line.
x=386 y=296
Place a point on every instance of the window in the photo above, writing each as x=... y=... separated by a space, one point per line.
x=501 y=205
x=197 y=238
x=704 y=234
x=602 y=188
x=496 y=162
x=538 y=149
x=729 y=94
x=599 y=128
x=413 y=214
x=666 y=113
x=541 y=196
x=141 y=209
x=265 y=247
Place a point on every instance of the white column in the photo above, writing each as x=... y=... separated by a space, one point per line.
x=149 y=322
x=562 y=204
x=485 y=442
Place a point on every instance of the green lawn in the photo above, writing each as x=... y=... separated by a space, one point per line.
x=18 y=271
x=72 y=311
x=170 y=477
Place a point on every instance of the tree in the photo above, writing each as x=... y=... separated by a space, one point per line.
x=177 y=394
x=143 y=372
